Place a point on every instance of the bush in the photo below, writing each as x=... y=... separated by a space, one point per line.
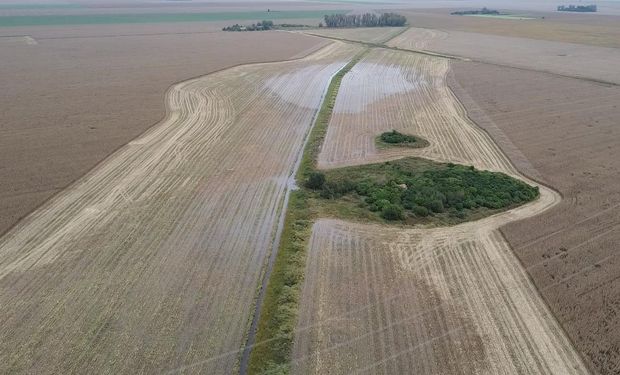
x=435 y=206
x=394 y=137
x=420 y=211
x=315 y=181
x=392 y=212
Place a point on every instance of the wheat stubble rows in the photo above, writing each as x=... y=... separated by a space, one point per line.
x=151 y=261
x=452 y=300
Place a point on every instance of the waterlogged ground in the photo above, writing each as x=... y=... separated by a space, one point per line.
x=379 y=299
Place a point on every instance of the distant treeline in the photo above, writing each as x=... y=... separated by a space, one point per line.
x=484 y=10
x=364 y=20
x=260 y=26
x=577 y=8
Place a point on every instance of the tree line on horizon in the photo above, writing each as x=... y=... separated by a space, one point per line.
x=364 y=20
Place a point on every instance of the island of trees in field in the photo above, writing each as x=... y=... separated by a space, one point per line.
x=259 y=26
x=484 y=10
x=364 y=20
x=577 y=8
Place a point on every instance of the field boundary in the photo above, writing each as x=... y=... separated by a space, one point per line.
x=270 y=348
x=243 y=368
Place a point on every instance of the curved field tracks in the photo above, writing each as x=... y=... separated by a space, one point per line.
x=150 y=263
x=406 y=92
x=451 y=300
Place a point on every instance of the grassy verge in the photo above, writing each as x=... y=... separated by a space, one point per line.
x=274 y=338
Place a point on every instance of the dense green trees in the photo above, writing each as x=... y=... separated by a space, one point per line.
x=395 y=137
x=260 y=26
x=364 y=20
x=484 y=10
x=415 y=188
x=577 y=8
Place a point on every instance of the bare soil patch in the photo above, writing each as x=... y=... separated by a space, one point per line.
x=567 y=129
x=70 y=101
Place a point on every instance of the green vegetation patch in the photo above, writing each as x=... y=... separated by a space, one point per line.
x=395 y=138
x=414 y=190
x=99 y=19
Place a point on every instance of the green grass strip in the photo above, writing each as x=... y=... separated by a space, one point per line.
x=274 y=339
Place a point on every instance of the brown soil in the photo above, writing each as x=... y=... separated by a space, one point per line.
x=567 y=131
x=69 y=102
x=150 y=262
x=600 y=30
x=574 y=60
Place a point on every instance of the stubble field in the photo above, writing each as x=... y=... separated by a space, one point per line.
x=76 y=94
x=406 y=92
x=602 y=30
x=568 y=130
x=448 y=300
x=359 y=34
x=151 y=261
x=571 y=59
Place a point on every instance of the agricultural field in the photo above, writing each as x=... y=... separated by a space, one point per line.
x=179 y=199
x=380 y=299
x=602 y=30
x=150 y=262
x=408 y=94
x=76 y=94
x=567 y=130
x=597 y=63
x=416 y=38
x=359 y=34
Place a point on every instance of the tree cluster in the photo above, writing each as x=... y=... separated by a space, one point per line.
x=364 y=20
x=484 y=10
x=260 y=26
x=395 y=137
x=577 y=8
x=397 y=191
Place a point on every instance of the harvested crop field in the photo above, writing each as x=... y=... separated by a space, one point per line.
x=409 y=94
x=359 y=34
x=568 y=130
x=602 y=30
x=389 y=301
x=80 y=93
x=380 y=299
x=150 y=262
x=597 y=63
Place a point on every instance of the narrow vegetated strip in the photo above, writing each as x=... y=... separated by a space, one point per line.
x=274 y=337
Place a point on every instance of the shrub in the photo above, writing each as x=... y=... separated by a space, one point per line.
x=392 y=212
x=396 y=137
x=435 y=206
x=315 y=181
x=420 y=211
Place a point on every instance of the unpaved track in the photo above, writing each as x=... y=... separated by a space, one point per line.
x=379 y=299
x=151 y=262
